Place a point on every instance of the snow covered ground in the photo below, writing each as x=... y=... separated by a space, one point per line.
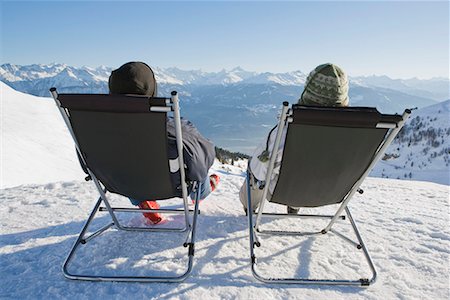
x=405 y=225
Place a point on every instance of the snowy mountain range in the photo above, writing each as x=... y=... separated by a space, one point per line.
x=72 y=77
x=247 y=101
x=35 y=79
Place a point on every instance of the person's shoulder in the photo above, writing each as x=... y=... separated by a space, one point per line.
x=183 y=121
x=186 y=122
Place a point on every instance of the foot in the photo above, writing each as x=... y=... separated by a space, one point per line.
x=214 y=180
x=213 y=183
x=246 y=211
x=292 y=210
x=152 y=217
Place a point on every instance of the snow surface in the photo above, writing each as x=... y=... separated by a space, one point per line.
x=45 y=201
x=405 y=226
x=35 y=144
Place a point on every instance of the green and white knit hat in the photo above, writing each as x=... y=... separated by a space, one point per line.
x=326 y=85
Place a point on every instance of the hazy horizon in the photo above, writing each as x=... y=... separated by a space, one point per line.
x=396 y=39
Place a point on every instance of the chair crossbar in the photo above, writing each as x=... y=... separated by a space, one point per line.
x=143 y=210
x=97 y=233
x=301 y=216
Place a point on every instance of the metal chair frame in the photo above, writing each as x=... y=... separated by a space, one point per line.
x=254 y=230
x=172 y=105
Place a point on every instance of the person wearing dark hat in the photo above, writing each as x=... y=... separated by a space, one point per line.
x=133 y=78
x=326 y=85
x=138 y=78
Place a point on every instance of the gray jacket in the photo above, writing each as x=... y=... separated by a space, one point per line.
x=198 y=153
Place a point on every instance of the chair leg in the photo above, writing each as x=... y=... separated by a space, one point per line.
x=250 y=216
x=82 y=240
x=358 y=282
x=191 y=244
x=363 y=247
x=79 y=240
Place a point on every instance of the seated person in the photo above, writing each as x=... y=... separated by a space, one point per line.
x=138 y=78
x=326 y=85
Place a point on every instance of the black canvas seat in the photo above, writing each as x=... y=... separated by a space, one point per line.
x=122 y=143
x=327 y=154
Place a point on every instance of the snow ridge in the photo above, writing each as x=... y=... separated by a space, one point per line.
x=61 y=74
x=421 y=151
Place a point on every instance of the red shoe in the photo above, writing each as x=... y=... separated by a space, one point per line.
x=214 y=180
x=152 y=217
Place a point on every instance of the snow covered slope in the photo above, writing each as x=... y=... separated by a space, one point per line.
x=35 y=144
x=421 y=151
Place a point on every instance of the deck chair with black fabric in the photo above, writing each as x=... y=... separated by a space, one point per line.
x=328 y=153
x=122 y=142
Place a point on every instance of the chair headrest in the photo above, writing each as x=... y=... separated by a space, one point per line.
x=341 y=116
x=110 y=102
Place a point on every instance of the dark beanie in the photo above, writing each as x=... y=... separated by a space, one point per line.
x=133 y=78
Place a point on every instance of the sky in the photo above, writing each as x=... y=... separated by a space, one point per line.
x=399 y=39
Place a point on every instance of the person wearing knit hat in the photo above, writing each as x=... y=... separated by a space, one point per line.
x=326 y=85
x=138 y=78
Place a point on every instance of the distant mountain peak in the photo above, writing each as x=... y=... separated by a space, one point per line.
x=238 y=69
